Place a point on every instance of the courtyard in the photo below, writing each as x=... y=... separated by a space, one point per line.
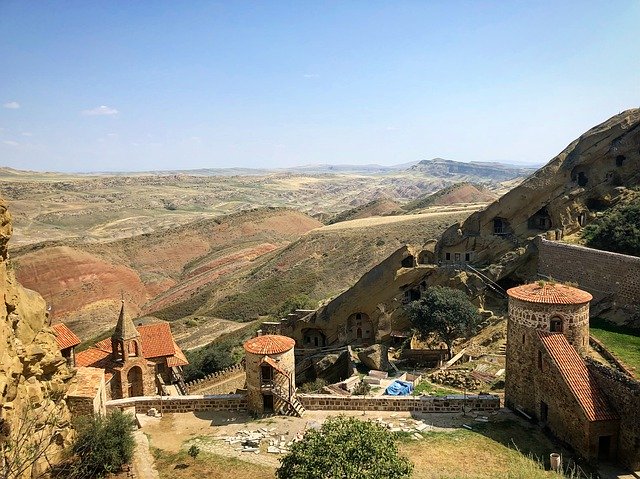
x=440 y=445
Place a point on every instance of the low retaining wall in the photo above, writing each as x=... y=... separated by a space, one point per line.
x=447 y=404
x=314 y=402
x=213 y=379
x=194 y=403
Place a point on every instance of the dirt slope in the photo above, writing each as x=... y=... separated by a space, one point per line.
x=455 y=194
x=83 y=282
x=321 y=264
x=378 y=207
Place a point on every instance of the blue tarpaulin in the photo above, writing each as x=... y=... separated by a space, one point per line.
x=399 y=388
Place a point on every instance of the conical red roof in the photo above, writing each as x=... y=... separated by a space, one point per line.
x=269 y=344
x=550 y=293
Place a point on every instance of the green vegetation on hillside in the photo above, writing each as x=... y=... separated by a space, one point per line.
x=622 y=342
x=618 y=230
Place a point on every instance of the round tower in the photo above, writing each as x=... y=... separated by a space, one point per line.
x=548 y=307
x=270 y=367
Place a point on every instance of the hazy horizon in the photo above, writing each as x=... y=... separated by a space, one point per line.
x=135 y=87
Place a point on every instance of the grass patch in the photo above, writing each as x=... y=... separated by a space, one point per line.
x=432 y=389
x=480 y=455
x=181 y=466
x=622 y=341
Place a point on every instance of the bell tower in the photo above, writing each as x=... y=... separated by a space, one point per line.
x=125 y=341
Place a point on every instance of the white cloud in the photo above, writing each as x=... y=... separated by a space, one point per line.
x=11 y=143
x=311 y=75
x=392 y=128
x=101 y=110
x=12 y=105
x=112 y=135
x=27 y=133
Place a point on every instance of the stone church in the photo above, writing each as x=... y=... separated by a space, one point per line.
x=138 y=361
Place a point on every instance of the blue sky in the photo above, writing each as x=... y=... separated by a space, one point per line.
x=119 y=85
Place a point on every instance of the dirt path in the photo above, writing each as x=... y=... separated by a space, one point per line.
x=143 y=464
x=382 y=220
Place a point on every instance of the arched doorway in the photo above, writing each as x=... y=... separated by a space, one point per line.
x=134 y=378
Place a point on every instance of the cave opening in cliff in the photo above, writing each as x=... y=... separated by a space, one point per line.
x=540 y=220
x=620 y=160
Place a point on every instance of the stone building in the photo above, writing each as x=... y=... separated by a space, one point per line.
x=137 y=361
x=270 y=367
x=546 y=377
x=67 y=342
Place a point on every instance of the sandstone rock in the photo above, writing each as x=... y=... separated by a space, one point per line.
x=33 y=374
x=375 y=357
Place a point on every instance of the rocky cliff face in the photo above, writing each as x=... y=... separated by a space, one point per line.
x=592 y=173
x=33 y=375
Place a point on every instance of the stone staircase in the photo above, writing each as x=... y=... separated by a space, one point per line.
x=294 y=407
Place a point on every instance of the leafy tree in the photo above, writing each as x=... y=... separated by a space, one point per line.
x=103 y=445
x=445 y=312
x=345 y=448
x=618 y=230
x=210 y=359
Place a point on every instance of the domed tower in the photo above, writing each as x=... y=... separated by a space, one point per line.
x=270 y=366
x=125 y=340
x=534 y=308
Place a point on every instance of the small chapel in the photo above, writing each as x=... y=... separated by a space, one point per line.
x=137 y=361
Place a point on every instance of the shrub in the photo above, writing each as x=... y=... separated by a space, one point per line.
x=362 y=389
x=618 y=230
x=103 y=445
x=312 y=386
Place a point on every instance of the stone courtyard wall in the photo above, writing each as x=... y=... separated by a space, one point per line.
x=318 y=402
x=623 y=393
x=447 y=404
x=226 y=381
x=173 y=404
x=601 y=273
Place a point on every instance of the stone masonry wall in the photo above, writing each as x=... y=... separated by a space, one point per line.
x=174 y=404
x=447 y=404
x=220 y=380
x=599 y=272
x=623 y=394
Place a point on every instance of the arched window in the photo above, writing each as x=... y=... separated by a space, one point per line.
x=555 y=325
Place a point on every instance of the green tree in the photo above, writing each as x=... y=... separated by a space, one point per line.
x=345 y=448
x=445 y=312
x=103 y=445
x=618 y=230
x=209 y=359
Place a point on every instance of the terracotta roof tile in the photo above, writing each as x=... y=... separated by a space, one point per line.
x=178 y=359
x=269 y=344
x=64 y=336
x=87 y=382
x=157 y=340
x=550 y=293
x=273 y=363
x=93 y=357
x=576 y=375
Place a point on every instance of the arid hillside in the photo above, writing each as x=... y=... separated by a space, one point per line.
x=101 y=207
x=82 y=283
x=459 y=193
x=321 y=264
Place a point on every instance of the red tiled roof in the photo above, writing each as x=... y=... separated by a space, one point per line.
x=93 y=357
x=576 y=375
x=273 y=363
x=64 y=336
x=156 y=339
x=550 y=293
x=269 y=344
x=178 y=359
